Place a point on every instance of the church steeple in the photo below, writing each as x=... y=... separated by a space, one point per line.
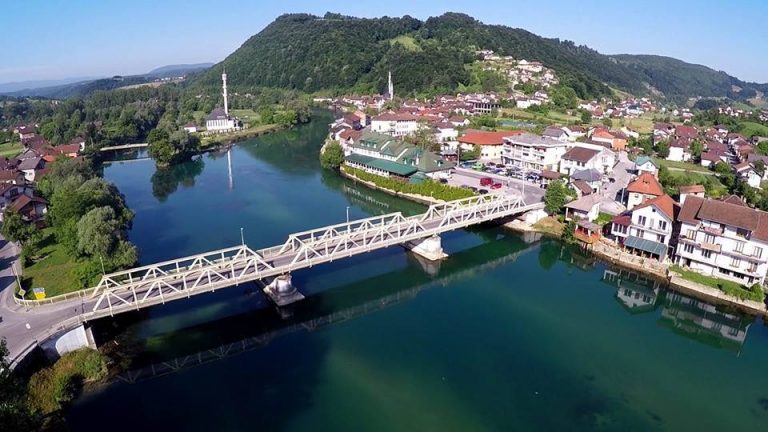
x=390 y=87
x=224 y=88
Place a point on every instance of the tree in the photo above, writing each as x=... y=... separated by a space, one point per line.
x=696 y=148
x=586 y=117
x=332 y=156
x=14 y=228
x=472 y=154
x=608 y=122
x=759 y=167
x=564 y=97
x=662 y=149
x=97 y=232
x=168 y=149
x=14 y=413
x=568 y=232
x=722 y=168
x=557 y=196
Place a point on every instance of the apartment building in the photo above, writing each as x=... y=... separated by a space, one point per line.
x=533 y=152
x=723 y=239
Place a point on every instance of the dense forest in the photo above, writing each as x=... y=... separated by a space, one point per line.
x=337 y=53
x=677 y=79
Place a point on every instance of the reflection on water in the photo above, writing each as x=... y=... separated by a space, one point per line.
x=166 y=181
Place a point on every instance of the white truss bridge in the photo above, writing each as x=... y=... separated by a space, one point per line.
x=166 y=281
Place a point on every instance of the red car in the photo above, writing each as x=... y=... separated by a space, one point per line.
x=496 y=186
x=486 y=181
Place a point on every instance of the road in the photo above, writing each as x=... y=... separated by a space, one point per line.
x=19 y=326
x=531 y=192
x=612 y=192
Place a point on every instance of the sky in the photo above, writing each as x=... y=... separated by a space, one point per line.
x=56 y=39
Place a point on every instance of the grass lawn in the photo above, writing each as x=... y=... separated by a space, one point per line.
x=407 y=41
x=729 y=287
x=687 y=166
x=749 y=129
x=550 y=225
x=10 y=149
x=642 y=124
x=713 y=185
x=246 y=115
x=55 y=271
x=552 y=116
x=244 y=133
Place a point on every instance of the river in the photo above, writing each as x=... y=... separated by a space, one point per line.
x=508 y=333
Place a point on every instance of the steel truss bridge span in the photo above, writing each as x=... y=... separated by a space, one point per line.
x=161 y=282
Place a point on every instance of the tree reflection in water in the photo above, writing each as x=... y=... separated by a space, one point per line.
x=165 y=181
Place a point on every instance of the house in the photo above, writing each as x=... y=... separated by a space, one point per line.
x=692 y=190
x=458 y=121
x=723 y=239
x=190 y=127
x=679 y=150
x=646 y=164
x=615 y=141
x=585 y=208
x=219 y=121
x=710 y=158
x=31 y=208
x=649 y=228
x=386 y=156
x=582 y=157
x=445 y=132
x=546 y=177
x=688 y=132
x=575 y=132
x=13 y=176
x=534 y=152
x=590 y=177
x=395 y=124
x=644 y=187
x=30 y=166
x=747 y=172
x=662 y=131
x=9 y=192
x=491 y=144
x=556 y=133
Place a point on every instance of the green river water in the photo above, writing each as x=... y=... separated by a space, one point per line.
x=508 y=333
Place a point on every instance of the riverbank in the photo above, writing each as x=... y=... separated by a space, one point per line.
x=212 y=142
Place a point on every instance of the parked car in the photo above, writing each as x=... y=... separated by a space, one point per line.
x=443 y=180
x=486 y=181
x=482 y=191
x=496 y=186
x=478 y=166
x=473 y=189
x=611 y=179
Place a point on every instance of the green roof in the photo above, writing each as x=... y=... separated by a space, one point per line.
x=643 y=159
x=646 y=245
x=382 y=164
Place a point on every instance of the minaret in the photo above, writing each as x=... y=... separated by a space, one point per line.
x=390 y=87
x=224 y=80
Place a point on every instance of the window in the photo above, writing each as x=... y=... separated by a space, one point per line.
x=662 y=225
x=709 y=238
x=641 y=220
x=660 y=238
x=688 y=248
x=735 y=262
x=741 y=232
x=752 y=268
x=691 y=234
x=706 y=254
x=757 y=252
x=739 y=247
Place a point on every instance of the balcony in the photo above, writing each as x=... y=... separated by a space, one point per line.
x=713 y=247
x=713 y=231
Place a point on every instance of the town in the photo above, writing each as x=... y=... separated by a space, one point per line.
x=621 y=190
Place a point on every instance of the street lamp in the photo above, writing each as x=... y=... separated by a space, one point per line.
x=242 y=237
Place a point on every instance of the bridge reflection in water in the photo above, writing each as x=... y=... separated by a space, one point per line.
x=337 y=305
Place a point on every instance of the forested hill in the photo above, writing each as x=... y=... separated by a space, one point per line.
x=675 y=77
x=339 y=53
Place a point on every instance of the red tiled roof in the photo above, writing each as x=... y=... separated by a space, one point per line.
x=486 y=138
x=664 y=203
x=395 y=117
x=646 y=184
x=696 y=209
x=691 y=189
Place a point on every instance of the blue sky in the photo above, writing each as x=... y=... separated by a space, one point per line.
x=52 y=39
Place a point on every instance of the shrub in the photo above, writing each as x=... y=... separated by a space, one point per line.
x=428 y=188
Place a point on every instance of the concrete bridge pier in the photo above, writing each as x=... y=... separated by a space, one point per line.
x=430 y=248
x=281 y=291
x=67 y=341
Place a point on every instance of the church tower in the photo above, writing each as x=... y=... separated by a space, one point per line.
x=224 y=87
x=390 y=87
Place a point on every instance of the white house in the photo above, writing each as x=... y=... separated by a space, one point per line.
x=648 y=228
x=746 y=172
x=491 y=144
x=679 y=150
x=585 y=208
x=723 y=239
x=533 y=152
x=190 y=128
x=643 y=188
x=395 y=124
x=645 y=164
x=579 y=158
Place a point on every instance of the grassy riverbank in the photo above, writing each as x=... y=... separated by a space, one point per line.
x=50 y=389
x=213 y=140
x=754 y=293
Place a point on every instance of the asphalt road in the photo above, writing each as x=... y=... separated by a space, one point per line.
x=531 y=192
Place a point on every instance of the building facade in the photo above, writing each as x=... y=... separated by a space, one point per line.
x=533 y=152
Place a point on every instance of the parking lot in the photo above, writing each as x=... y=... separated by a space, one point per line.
x=530 y=191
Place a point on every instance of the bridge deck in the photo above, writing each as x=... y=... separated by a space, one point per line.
x=183 y=277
